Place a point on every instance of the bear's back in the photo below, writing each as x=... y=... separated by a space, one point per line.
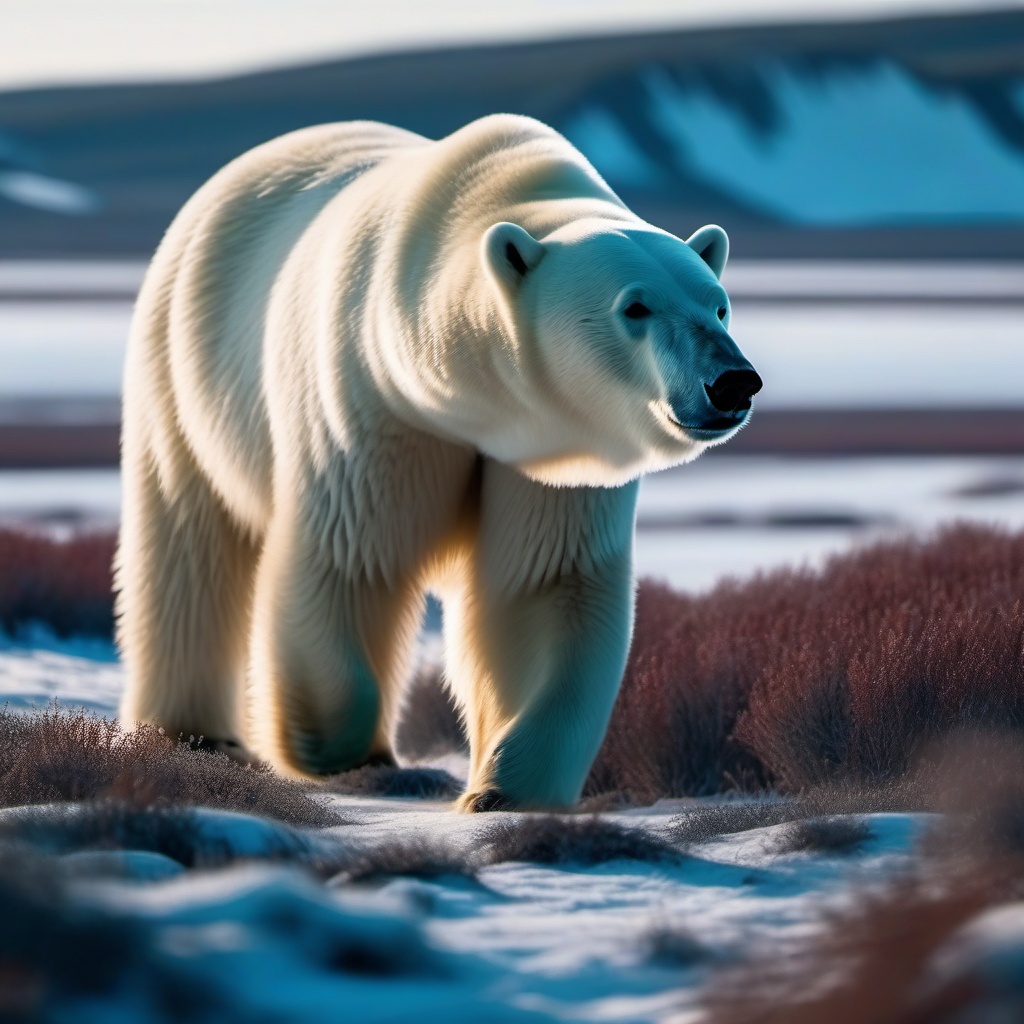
x=206 y=293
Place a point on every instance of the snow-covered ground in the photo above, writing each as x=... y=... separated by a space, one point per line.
x=622 y=941
x=626 y=941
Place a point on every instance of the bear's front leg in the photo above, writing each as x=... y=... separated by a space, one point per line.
x=331 y=644
x=546 y=622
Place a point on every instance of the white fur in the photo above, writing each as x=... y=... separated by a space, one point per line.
x=339 y=392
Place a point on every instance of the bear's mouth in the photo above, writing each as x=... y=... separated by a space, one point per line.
x=710 y=428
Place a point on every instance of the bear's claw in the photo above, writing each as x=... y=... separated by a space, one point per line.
x=490 y=800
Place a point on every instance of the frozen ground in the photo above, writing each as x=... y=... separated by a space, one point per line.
x=623 y=941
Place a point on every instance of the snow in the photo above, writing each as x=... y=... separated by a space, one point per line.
x=273 y=945
x=51 y=348
x=36 y=668
x=45 y=276
x=521 y=942
x=87 y=497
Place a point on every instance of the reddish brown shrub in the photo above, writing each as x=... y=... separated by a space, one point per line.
x=64 y=584
x=798 y=679
x=897 y=645
x=691 y=667
x=567 y=839
x=880 y=956
x=792 y=680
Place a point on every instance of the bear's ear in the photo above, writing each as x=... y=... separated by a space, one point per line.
x=711 y=244
x=510 y=253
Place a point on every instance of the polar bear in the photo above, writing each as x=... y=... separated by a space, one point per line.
x=363 y=365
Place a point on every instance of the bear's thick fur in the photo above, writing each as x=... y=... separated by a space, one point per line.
x=364 y=364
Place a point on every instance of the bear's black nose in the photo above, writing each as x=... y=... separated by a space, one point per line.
x=733 y=391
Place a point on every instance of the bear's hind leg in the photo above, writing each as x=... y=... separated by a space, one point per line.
x=184 y=574
x=331 y=649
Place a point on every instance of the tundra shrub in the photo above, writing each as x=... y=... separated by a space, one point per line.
x=798 y=679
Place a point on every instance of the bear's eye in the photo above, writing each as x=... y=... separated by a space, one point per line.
x=636 y=311
x=721 y=312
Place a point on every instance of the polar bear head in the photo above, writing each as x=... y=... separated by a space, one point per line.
x=622 y=336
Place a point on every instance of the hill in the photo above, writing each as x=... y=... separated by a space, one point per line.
x=895 y=137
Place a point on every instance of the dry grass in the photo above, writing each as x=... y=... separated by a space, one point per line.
x=393 y=781
x=798 y=679
x=428 y=721
x=874 y=959
x=64 y=584
x=677 y=948
x=557 y=839
x=708 y=821
x=414 y=857
x=828 y=836
x=53 y=755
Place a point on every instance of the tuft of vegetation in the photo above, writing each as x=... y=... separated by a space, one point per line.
x=799 y=679
x=873 y=962
x=174 y=832
x=829 y=836
x=429 y=724
x=393 y=781
x=869 y=964
x=675 y=947
x=826 y=803
x=414 y=857
x=561 y=839
x=54 y=755
x=65 y=584
x=877 y=958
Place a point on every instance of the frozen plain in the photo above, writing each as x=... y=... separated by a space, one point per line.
x=527 y=941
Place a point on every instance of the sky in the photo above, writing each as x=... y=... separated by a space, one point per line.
x=45 y=42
